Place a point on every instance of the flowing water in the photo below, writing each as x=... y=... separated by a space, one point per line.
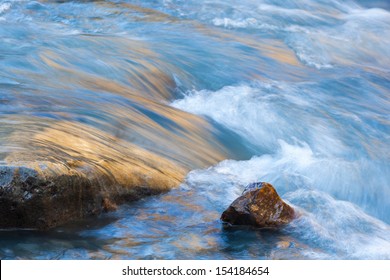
x=295 y=93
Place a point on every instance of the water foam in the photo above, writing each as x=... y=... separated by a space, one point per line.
x=327 y=228
x=339 y=228
x=263 y=113
x=321 y=34
x=303 y=139
x=4 y=7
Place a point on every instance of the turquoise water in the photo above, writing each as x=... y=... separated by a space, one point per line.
x=297 y=91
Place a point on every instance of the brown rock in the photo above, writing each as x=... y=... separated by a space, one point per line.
x=108 y=205
x=259 y=206
x=52 y=173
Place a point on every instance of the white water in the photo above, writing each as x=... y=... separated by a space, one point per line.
x=319 y=151
x=303 y=86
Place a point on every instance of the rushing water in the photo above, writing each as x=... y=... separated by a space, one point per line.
x=295 y=93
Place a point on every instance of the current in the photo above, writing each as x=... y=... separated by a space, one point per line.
x=295 y=93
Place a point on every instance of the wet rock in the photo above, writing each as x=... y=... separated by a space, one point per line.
x=108 y=205
x=259 y=206
x=56 y=172
x=55 y=195
x=30 y=200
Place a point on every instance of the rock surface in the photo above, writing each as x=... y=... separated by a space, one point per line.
x=69 y=171
x=259 y=206
x=33 y=197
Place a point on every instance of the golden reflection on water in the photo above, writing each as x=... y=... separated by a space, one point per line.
x=195 y=243
x=130 y=148
x=146 y=75
x=182 y=201
x=109 y=118
x=65 y=147
x=272 y=48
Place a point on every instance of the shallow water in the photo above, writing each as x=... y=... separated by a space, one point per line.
x=295 y=93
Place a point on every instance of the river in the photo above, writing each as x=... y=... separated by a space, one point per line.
x=295 y=93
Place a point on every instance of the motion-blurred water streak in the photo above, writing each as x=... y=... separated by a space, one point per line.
x=216 y=94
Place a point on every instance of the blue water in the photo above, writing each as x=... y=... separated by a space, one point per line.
x=298 y=92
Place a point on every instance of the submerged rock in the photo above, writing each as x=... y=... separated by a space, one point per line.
x=259 y=206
